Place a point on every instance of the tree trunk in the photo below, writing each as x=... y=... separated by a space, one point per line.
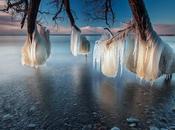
x=141 y=18
x=69 y=13
x=32 y=15
x=163 y=58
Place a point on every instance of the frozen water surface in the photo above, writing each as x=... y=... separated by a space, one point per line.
x=68 y=94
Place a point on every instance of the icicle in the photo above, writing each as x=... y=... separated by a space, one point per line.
x=135 y=50
x=121 y=50
x=151 y=83
x=109 y=55
x=109 y=63
x=148 y=60
x=36 y=52
x=75 y=41
x=84 y=47
x=96 y=56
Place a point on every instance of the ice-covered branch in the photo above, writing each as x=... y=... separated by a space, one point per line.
x=123 y=31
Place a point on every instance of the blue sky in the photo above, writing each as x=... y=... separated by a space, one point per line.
x=160 y=12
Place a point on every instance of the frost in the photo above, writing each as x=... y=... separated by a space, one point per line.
x=36 y=52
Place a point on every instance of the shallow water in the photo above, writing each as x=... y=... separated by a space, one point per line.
x=67 y=93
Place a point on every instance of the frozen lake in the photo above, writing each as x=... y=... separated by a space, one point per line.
x=68 y=94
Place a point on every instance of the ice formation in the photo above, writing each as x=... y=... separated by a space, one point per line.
x=149 y=60
x=107 y=58
x=84 y=46
x=79 y=43
x=144 y=57
x=75 y=41
x=37 y=51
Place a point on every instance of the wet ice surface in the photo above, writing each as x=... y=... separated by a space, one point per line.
x=67 y=94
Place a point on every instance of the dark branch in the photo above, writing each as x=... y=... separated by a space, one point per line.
x=25 y=13
x=32 y=15
x=109 y=31
x=12 y=5
x=100 y=10
x=141 y=18
x=59 y=11
x=69 y=13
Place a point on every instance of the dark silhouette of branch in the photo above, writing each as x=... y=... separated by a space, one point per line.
x=32 y=15
x=59 y=11
x=112 y=12
x=141 y=18
x=11 y=5
x=69 y=13
x=17 y=7
x=25 y=13
x=100 y=10
x=109 y=31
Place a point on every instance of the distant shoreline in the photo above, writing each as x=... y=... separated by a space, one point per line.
x=50 y=34
x=70 y=34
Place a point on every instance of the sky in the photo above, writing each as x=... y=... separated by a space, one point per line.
x=161 y=14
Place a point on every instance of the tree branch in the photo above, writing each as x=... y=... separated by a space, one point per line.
x=141 y=18
x=59 y=11
x=69 y=13
x=25 y=13
x=32 y=15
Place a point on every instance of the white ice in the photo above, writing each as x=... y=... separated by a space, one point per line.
x=149 y=60
x=75 y=41
x=36 y=53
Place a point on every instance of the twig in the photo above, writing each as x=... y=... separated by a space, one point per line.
x=59 y=11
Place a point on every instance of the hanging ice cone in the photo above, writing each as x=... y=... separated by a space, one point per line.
x=75 y=41
x=148 y=59
x=36 y=52
x=143 y=58
x=107 y=56
x=130 y=52
x=98 y=51
x=109 y=60
x=97 y=55
x=84 y=47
